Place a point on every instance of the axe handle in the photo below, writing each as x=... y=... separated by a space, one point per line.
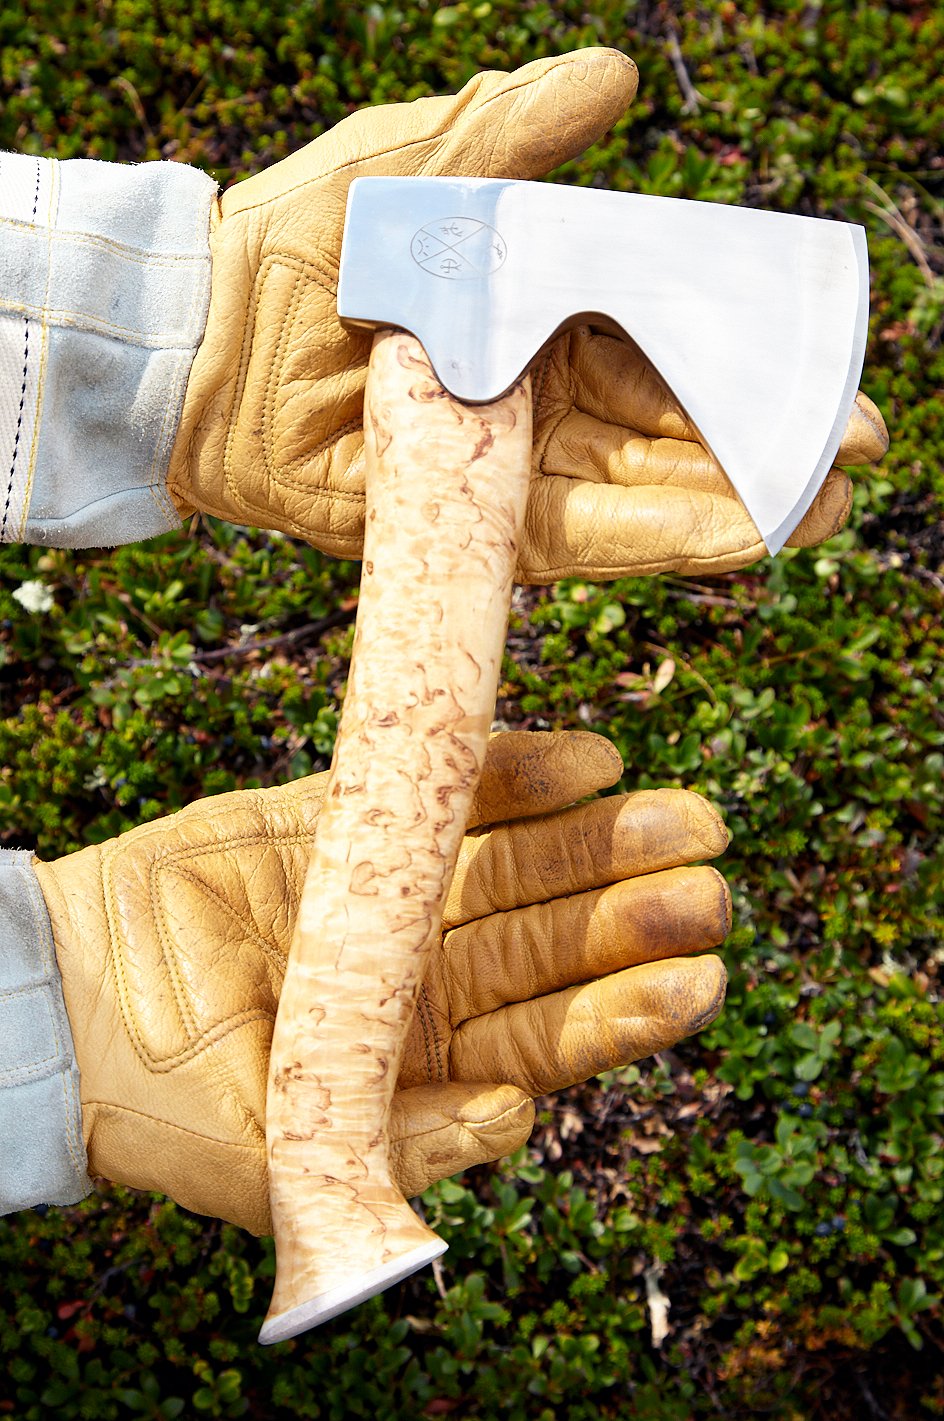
x=447 y=485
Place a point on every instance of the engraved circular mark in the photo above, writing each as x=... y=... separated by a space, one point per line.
x=458 y=248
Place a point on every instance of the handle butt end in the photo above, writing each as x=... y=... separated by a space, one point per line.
x=279 y=1327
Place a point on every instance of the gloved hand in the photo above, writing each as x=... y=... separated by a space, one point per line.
x=559 y=959
x=271 y=427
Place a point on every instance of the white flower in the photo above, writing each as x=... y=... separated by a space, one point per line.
x=34 y=596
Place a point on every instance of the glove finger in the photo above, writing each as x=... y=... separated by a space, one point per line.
x=518 y=125
x=614 y=381
x=599 y=531
x=582 y=446
x=532 y=952
x=826 y=514
x=580 y=849
x=556 y=1041
x=526 y=773
x=865 y=439
x=530 y=772
x=439 y=1130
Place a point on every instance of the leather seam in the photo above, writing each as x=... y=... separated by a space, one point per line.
x=167 y=1064
x=169 y=1124
x=266 y=948
x=424 y=998
x=239 y=387
x=303 y=269
x=273 y=380
x=425 y=1030
x=118 y=961
x=473 y=1127
x=199 y=1040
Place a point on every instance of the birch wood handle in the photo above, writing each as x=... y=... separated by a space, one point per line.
x=447 y=486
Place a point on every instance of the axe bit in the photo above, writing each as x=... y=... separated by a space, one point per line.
x=757 y=321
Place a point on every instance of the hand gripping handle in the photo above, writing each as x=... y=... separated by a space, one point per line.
x=447 y=486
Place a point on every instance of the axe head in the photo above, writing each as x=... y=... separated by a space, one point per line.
x=756 y=321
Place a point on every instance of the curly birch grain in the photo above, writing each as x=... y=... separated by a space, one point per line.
x=446 y=486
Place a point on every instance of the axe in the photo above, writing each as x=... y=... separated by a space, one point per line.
x=757 y=321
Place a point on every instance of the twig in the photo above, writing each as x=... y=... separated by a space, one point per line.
x=700 y=592
x=677 y=656
x=439 y=1278
x=310 y=631
x=927 y=575
x=134 y=99
x=693 y=100
x=891 y=214
x=703 y=599
x=874 y=1408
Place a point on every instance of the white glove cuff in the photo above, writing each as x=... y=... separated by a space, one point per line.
x=42 y=1154
x=104 y=292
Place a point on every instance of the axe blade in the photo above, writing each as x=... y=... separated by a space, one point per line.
x=757 y=321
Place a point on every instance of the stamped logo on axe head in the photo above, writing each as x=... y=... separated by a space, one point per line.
x=458 y=249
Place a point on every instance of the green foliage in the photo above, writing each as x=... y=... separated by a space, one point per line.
x=161 y=672
x=784 y=1170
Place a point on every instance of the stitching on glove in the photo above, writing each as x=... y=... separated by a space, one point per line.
x=63 y=318
x=547 y=434
x=239 y=387
x=276 y=471
x=110 y=1105
x=424 y=1027
x=19 y=428
x=473 y=1127
x=173 y=860
x=353 y=426
x=272 y=380
x=425 y=1012
x=539 y=388
x=112 y=916
x=166 y=1065
x=169 y=956
x=64 y=236
x=19 y=418
x=726 y=561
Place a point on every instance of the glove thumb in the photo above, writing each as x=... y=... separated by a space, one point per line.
x=439 y=1130
x=521 y=125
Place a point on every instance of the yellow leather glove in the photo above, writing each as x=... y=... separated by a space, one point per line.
x=559 y=960
x=271 y=427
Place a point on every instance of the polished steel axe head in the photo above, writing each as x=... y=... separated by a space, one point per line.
x=756 y=321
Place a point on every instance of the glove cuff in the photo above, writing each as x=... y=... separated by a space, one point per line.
x=42 y=1155
x=104 y=292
